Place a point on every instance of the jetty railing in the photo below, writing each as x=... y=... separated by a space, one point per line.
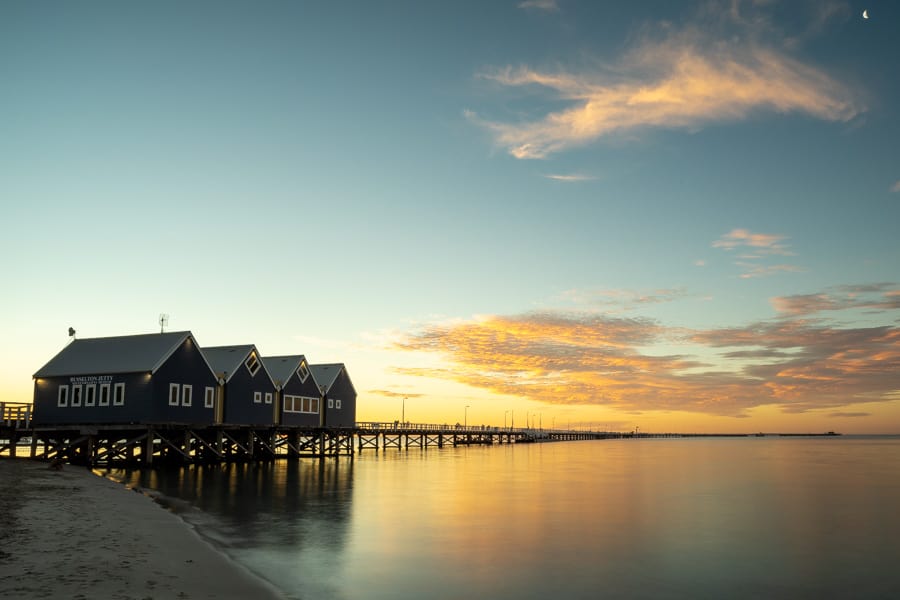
x=15 y=415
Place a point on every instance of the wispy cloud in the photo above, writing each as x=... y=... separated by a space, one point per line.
x=683 y=79
x=896 y=187
x=547 y=5
x=755 y=247
x=759 y=242
x=876 y=297
x=578 y=358
x=393 y=394
x=570 y=178
x=752 y=271
x=620 y=298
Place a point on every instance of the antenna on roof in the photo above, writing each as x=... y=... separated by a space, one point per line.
x=163 y=321
x=71 y=333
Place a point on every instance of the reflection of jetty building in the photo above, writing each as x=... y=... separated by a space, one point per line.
x=163 y=394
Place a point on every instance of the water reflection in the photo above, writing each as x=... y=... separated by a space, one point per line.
x=704 y=518
x=283 y=520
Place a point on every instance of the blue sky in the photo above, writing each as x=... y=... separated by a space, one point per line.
x=384 y=183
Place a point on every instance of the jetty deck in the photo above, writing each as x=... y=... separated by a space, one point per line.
x=147 y=444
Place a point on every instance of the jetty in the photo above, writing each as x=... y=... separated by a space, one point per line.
x=149 y=444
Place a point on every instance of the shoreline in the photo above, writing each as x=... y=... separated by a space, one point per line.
x=74 y=533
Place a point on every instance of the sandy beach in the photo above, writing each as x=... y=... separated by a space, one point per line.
x=73 y=534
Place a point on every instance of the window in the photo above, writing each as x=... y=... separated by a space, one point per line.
x=63 y=398
x=119 y=394
x=104 y=394
x=303 y=371
x=209 y=397
x=90 y=395
x=337 y=403
x=257 y=397
x=331 y=403
x=187 y=391
x=252 y=364
x=300 y=404
x=268 y=397
x=76 y=395
x=174 y=388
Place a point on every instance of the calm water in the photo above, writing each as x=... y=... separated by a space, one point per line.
x=689 y=518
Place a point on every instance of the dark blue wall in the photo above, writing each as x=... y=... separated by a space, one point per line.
x=346 y=415
x=185 y=366
x=293 y=387
x=239 y=406
x=137 y=408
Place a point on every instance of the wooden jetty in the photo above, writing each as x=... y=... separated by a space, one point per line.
x=147 y=444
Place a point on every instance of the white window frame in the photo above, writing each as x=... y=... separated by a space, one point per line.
x=301 y=404
x=331 y=403
x=76 y=395
x=268 y=397
x=303 y=371
x=209 y=397
x=119 y=399
x=174 y=400
x=257 y=397
x=90 y=395
x=62 y=397
x=103 y=400
x=187 y=395
x=253 y=365
x=337 y=403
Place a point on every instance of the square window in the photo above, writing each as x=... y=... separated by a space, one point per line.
x=209 y=397
x=187 y=393
x=104 y=394
x=119 y=394
x=90 y=395
x=268 y=397
x=174 y=389
x=63 y=398
x=257 y=397
x=337 y=403
x=331 y=403
x=314 y=405
x=76 y=395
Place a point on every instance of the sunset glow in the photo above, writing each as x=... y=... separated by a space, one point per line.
x=555 y=213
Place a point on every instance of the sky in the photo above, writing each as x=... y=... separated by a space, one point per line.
x=663 y=216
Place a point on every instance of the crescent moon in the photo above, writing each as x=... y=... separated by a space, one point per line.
x=866 y=14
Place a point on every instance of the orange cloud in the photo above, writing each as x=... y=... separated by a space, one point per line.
x=565 y=358
x=685 y=80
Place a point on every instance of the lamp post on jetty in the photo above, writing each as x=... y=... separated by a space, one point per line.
x=403 y=411
x=466 y=417
x=504 y=418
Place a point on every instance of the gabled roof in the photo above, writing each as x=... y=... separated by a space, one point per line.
x=282 y=367
x=326 y=375
x=120 y=354
x=228 y=359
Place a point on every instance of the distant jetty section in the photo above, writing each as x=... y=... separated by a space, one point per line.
x=146 y=444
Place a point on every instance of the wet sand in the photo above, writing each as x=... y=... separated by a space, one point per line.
x=73 y=534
